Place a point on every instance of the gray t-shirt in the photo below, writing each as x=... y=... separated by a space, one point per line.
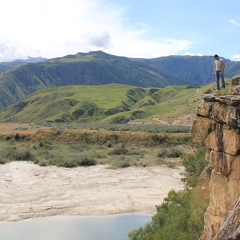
x=218 y=65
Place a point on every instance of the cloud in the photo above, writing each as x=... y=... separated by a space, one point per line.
x=236 y=57
x=234 y=22
x=193 y=54
x=59 y=27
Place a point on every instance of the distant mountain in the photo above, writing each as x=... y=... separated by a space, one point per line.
x=194 y=69
x=19 y=62
x=31 y=60
x=94 y=68
x=112 y=103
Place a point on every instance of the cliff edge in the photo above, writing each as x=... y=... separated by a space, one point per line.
x=217 y=126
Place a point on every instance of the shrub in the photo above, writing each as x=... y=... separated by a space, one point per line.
x=160 y=138
x=17 y=137
x=43 y=163
x=124 y=165
x=8 y=138
x=69 y=164
x=120 y=150
x=81 y=146
x=24 y=154
x=170 y=153
x=208 y=91
x=85 y=162
x=2 y=160
x=194 y=165
x=12 y=153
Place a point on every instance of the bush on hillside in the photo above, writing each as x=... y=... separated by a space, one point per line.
x=194 y=165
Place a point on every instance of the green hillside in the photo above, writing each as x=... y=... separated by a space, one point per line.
x=112 y=103
x=94 y=68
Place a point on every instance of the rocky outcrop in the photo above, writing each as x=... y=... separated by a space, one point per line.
x=217 y=126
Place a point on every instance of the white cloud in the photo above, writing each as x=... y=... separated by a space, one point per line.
x=236 y=57
x=53 y=28
x=193 y=54
x=234 y=22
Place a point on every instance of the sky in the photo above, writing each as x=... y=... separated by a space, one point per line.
x=131 y=28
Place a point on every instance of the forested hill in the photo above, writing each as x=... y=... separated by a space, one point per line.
x=94 y=68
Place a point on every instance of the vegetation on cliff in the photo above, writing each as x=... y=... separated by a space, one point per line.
x=180 y=216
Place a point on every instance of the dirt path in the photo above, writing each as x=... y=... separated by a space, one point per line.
x=28 y=190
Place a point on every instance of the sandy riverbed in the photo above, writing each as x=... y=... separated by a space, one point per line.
x=28 y=190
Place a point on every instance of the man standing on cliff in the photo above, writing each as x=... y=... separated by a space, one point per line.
x=218 y=69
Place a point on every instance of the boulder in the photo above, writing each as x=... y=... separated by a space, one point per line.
x=235 y=80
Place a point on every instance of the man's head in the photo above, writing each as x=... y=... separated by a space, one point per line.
x=216 y=57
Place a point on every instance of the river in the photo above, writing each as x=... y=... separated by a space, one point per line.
x=112 y=227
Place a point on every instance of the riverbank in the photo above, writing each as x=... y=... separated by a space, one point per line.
x=29 y=191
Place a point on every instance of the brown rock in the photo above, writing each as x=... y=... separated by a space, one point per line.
x=220 y=161
x=201 y=129
x=205 y=181
x=235 y=80
x=226 y=114
x=209 y=98
x=231 y=142
x=214 y=139
x=230 y=229
x=204 y=109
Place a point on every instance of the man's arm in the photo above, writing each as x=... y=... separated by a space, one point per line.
x=214 y=69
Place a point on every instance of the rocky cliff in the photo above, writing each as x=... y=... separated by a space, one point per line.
x=217 y=126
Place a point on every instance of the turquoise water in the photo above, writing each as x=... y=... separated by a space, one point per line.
x=115 y=227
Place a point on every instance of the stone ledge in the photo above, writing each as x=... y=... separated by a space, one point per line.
x=226 y=99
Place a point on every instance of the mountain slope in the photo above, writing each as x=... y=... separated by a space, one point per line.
x=112 y=103
x=94 y=68
x=194 y=69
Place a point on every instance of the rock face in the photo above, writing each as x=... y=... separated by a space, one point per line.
x=217 y=126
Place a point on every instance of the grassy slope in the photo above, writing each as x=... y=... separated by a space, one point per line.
x=107 y=103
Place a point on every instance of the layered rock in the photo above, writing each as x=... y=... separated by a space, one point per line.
x=217 y=126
